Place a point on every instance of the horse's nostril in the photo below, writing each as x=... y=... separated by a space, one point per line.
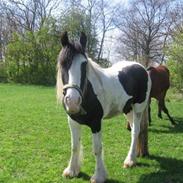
x=67 y=99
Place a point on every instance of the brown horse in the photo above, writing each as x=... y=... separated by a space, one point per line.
x=160 y=84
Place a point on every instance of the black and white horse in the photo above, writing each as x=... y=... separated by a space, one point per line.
x=90 y=93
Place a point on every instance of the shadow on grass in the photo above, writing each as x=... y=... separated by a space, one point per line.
x=85 y=176
x=178 y=128
x=170 y=171
x=113 y=181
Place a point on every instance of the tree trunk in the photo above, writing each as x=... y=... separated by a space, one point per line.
x=101 y=46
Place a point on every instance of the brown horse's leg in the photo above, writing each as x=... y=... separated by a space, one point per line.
x=160 y=103
x=165 y=110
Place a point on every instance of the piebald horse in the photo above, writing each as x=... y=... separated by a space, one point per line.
x=90 y=93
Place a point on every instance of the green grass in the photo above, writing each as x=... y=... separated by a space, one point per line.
x=35 y=141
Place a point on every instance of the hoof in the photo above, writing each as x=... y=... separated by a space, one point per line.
x=129 y=164
x=97 y=179
x=70 y=173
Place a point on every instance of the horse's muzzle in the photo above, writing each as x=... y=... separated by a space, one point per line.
x=72 y=100
x=72 y=106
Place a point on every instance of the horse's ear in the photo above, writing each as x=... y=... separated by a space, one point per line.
x=64 y=39
x=83 y=40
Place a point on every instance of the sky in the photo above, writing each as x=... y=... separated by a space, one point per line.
x=125 y=2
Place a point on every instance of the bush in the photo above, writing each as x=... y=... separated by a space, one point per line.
x=175 y=63
x=3 y=73
x=31 y=58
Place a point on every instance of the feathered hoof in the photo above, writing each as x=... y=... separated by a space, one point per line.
x=129 y=164
x=70 y=173
x=98 y=179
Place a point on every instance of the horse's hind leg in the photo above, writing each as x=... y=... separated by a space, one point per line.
x=129 y=117
x=73 y=168
x=165 y=110
x=131 y=157
x=160 y=108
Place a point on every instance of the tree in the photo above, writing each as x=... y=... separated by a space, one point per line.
x=176 y=15
x=31 y=58
x=106 y=21
x=100 y=19
x=28 y=15
x=144 y=29
x=75 y=21
x=175 y=53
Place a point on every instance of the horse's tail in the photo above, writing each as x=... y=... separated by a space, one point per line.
x=142 y=146
x=59 y=84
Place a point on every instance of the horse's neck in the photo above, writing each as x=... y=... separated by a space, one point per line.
x=95 y=74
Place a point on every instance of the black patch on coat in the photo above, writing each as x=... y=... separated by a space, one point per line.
x=93 y=108
x=65 y=76
x=134 y=80
x=83 y=75
x=128 y=106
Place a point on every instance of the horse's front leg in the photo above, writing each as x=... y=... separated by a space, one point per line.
x=73 y=168
x=131 y=157
x=100 y=174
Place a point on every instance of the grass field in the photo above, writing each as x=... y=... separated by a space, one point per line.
x=35 y=142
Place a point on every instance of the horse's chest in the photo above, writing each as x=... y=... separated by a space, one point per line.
x=93 y=108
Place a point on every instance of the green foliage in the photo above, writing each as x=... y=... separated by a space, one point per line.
x=175 y=63
x=31 y=58
x=35 y=142
x=75 y=21
x=104 y=63
x=172 y=66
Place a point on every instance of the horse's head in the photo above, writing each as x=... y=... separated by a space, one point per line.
x=73 y=62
